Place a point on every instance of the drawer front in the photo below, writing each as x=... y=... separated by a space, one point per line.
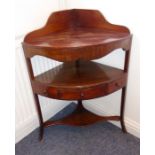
x=116 y=85
x=103 y=90
x=63 y=94
x=87 y=93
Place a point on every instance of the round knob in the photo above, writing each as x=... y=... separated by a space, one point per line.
x=82 y=95
x=117 y=84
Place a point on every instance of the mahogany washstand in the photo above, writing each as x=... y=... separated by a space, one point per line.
x=75 y=37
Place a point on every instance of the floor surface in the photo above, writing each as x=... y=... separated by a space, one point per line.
x=98 y=139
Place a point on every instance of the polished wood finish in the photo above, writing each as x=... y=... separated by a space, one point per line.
x=81 y=117
x=36 y=99
x=75 y=37
x=88 y=80
x=76 y=34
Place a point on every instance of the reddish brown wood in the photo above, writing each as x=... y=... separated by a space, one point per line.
x=123 y=96
x=76 y=34
x=36 y=99
x=122 y=110
x=40 y=116
x=75 y=37
x=81 y=117
x=89 y=80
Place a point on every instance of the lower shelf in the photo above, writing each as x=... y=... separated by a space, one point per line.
x=80 y=117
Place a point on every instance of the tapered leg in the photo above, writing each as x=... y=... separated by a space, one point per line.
x=80 y=106
x=122 y=110
x=40 y=117
x=41 y=132
x=126 y=67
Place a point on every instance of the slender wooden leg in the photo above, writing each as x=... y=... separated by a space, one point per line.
x=40 y=117
x=41 y=132
x=79 y=101
x=31 y=75
x=126 y=66
x=122 y=110
x=80 y=107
